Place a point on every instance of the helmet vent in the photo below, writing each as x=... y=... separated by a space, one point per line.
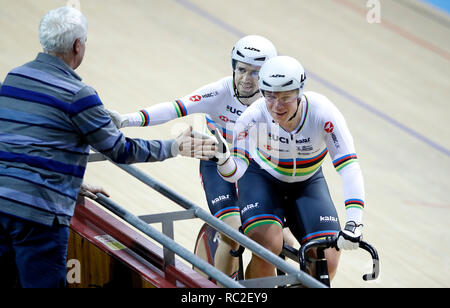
x=239 y=54
x=260 y=59
x=288 y=83
x=266 y=84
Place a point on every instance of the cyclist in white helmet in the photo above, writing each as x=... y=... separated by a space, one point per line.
x=288 y=134
x=222 y=102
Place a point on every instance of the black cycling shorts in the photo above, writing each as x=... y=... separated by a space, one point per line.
x=305 y=207
x=220 y=194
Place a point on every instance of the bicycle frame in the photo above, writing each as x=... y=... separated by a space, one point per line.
x=299 y=256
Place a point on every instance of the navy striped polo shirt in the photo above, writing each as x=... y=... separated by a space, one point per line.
x=48 y=120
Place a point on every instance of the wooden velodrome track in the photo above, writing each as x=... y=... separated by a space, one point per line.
x=390 y=80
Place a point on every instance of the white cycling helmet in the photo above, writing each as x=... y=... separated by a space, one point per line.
x=253 y=50
x=282 y=73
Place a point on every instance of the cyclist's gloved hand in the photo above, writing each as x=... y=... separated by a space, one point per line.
x=119 y=120
x=350 y=237
x=223 y=152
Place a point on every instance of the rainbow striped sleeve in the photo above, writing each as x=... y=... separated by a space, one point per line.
x=180 y=108
x=228 y=173
x=145 y=117
x=241 y=154
x=354 y=203
x=344 y=161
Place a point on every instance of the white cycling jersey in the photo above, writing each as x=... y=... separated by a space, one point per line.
x=216 y=100
x=296 y=156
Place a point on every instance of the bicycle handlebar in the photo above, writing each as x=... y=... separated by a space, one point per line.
x=375 y=261
x=331 y=242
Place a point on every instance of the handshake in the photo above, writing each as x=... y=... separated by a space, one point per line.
x=195 y=144
x=189 y=143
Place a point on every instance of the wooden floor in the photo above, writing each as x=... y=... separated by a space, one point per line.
x=391 y=80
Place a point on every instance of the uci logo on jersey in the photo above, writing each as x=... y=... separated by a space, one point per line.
x=278 y=138
x=234 y=110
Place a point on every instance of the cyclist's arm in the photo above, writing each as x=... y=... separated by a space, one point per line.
x=342 y=151
x=202 y=100
x=353 y=186
x=157 y=114
x=245 y=129
x=233 y=169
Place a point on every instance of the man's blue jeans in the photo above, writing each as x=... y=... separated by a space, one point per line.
x=32 y=253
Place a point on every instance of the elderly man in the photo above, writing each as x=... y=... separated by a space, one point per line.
x=48 y=120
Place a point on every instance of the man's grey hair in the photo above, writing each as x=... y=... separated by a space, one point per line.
x=60 y=28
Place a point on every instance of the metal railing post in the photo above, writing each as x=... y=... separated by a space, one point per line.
x=167 y=242
x=261 y=251
x=199 y=212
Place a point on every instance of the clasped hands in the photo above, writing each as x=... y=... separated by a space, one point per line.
x=194 y=144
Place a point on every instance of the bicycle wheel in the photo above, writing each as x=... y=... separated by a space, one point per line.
x=206 y=245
